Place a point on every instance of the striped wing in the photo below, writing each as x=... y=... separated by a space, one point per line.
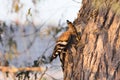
x=61 y=44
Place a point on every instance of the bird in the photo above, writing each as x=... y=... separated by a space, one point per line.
x=63 y=42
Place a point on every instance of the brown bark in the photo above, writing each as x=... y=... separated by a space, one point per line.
x=97 y=55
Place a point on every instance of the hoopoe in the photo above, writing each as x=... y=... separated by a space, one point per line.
x=63 y=42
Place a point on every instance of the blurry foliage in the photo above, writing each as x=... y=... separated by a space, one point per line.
x=9 y=45
x=29 y=12
x=16 y=5
x=9 y=56
x=12 y=47
x=1 y=31
x=35 y=1
x=53 y=30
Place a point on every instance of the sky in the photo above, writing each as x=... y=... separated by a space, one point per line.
x=51 y=11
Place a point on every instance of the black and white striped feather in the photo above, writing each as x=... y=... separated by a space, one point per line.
x=62 y=43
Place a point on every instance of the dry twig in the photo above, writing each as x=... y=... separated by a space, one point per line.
x=14 y=69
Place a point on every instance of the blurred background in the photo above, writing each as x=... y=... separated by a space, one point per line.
x=29 y=28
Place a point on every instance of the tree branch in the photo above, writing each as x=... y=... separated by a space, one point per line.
x=14 y=70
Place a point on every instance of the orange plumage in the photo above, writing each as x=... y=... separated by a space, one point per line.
x=63 y=41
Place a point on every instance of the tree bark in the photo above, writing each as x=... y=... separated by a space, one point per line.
x=97 y=55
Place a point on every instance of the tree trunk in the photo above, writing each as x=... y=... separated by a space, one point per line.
x=97 y=55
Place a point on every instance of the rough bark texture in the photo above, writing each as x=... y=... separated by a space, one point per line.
x=97 y=55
